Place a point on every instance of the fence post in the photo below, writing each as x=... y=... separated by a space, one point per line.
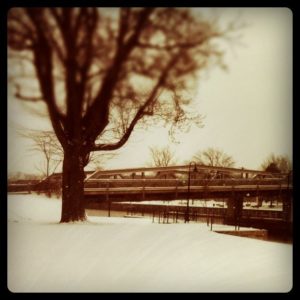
x=143 y=189
x=207 y=216
x=107 y=197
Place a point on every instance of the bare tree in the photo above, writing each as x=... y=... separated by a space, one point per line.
x=101 y=72
x=214 y=157
x=162 y=157
x=46 y=143
x=277 y=163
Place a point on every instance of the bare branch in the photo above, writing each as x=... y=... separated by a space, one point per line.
x=162 y=157
x=44 y=68
x=214 y=157
x=141 y=111
x=179 y=45
x=46 y=143
x=101 y=103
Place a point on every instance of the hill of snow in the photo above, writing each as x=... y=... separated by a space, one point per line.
x=134 y=255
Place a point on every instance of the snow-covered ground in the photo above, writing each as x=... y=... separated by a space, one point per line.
x=134 y=255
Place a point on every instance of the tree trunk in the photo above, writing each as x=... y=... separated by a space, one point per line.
x=72 y=187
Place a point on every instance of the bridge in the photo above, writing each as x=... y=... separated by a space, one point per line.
x=111 y=188
x=182 y=182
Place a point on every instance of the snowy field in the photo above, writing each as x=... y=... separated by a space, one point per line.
x=134 y=255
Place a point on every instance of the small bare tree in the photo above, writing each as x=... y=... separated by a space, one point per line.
x=46 y=143
x=162 y=157
x=277 y=163
x=214 y=157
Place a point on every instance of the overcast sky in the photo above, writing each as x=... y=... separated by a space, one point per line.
x=248 y=109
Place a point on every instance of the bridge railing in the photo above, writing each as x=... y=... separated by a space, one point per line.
x=104 y=183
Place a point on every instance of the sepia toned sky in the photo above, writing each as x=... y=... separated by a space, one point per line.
x=247 y=109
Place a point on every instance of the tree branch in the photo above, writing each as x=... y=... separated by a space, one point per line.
x=93 y=121
x=44 y=67
x=177 y=45
x=123 y=25
x=141 y=111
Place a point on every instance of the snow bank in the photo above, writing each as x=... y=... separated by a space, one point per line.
x=134 y=255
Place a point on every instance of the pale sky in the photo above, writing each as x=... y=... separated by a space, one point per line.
x=248 y=108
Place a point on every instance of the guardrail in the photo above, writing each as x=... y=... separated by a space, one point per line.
x=98 y=183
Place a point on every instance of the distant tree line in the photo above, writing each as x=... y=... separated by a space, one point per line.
x=215 y=157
